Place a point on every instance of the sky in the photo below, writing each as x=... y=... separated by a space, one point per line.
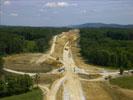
x=65 y=12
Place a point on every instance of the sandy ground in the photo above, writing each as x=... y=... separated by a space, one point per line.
x=128 y=93
x=72 y=85
x=94 y=91
x=70 y=81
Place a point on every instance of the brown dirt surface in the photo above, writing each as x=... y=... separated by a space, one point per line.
x=60 y=94
x=104 y=91
x=128 y=93
x=59 y=44
x=26 y=63
x=61 y=41
x=90 y=76
x=48 y=78
x=119 y=93
x=94 y=91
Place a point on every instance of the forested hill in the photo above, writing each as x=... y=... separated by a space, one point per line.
x=107 y=47
x=101 y=25
x=26 y=39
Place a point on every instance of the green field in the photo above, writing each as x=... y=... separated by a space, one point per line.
x=124 y=82
x=35 y=94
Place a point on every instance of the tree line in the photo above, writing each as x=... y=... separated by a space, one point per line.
x=14 y=85
x=1 y=64
x=26 y=39
x=107 y=47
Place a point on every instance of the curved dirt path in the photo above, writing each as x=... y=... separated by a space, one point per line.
x=45 y=56
x=53 y=45
x=51 y=95
x=18 y=72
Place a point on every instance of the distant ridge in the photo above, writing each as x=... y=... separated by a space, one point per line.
x=100 y=25
x=86 y=25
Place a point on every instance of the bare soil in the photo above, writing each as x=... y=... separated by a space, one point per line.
x=94 y=91
x=26 y=63
x=48 y=78
x=60 y=94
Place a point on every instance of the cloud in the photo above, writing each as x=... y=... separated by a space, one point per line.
x=74 y=4
x=7 y=2
x=56 y=4
x=62 y=4
x=14 y=14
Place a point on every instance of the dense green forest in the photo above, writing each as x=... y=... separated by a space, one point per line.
x=1 y=64
x=13 y=85
x=26 y=39
x=107 y=47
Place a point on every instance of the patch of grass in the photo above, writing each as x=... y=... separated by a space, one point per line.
x=49 y=78
x=35 y=94
x=124 y=82
x=108 y=67
x=91 y=76
x=95 y=91
x=103 y=91
x=116 y=93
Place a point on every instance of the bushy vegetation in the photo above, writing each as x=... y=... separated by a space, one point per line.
x=1 y=63
x=35 y=94
x=26 y=39
x=123 y=82
x=107 y=47
x=14 y=85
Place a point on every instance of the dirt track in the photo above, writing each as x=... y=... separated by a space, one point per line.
x=70 y=81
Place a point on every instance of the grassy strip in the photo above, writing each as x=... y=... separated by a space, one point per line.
x=124 y=82
x=115 y=93
x=35 y=94
x=91 y=76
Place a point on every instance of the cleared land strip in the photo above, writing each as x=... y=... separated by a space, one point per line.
x=18 y=72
